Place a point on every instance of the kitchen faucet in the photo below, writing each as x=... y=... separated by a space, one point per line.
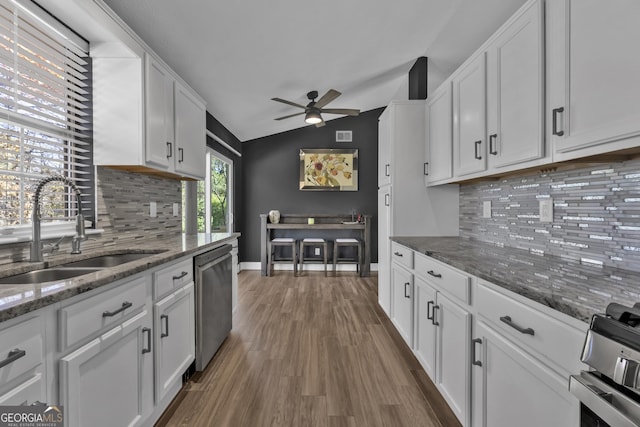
x=36 y=242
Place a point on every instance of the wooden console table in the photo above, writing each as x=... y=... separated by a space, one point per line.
x=323 y=223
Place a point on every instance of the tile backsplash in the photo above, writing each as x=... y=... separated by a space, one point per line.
x=123 y=200
x=596 y=213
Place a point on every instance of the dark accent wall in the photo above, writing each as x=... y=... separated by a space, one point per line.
x=217 y=128
x=418 y=79
x=271 y=177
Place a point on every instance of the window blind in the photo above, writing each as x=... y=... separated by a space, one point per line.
x=45 y=114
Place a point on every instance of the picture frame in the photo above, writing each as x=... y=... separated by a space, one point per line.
x=329 y=169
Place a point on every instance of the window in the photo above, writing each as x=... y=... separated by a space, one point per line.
x=45 y=114
x=214 y=210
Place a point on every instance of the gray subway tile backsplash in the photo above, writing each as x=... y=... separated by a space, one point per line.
x=596 y=218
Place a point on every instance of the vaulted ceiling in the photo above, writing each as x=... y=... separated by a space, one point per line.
x=239 y=54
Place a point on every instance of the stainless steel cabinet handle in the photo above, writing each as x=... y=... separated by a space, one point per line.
x=13 y=355
x=405 y=290
x=181 y=152
x=426 y=169
x=124 y=306
x=476 y=153
x=473 y=351
x=166 y=323
x=148 y=332
x=169 y=149
x=429 y=304
x=492 y=148
x=184 y=273
x=554 y=125
x=386 y=169
x=386 y=199
x=508 y=321
x=434 y=274
x=433 y=315
x=397 y=254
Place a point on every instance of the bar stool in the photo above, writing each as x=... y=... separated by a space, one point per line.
x=355 y=243
x=282 y=242
x=313 y=243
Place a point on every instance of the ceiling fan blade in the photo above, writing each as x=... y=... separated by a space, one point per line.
x=319 y=125
x=327 y=98
x=284 y=101
x=290 y=115
x=346 y=111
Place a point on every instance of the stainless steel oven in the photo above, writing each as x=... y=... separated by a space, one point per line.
x=610 y=394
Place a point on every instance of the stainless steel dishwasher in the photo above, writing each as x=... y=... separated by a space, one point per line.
x=213 y=302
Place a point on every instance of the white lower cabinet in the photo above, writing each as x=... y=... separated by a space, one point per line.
x=109 y=381
x=174 y=318
x=512 y=388
x=22 y=367
x=442 y=336
x=402 y=302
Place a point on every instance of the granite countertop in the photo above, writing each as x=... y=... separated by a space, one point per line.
x=16 y=300
x=565 y=285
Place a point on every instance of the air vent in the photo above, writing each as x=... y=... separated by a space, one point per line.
x=344 y=136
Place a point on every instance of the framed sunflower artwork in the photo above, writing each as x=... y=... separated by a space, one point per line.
x=325 y=169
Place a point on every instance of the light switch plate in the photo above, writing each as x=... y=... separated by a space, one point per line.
x=486 y=209
x=546 y=210
x=153 y=209
x=176 y=209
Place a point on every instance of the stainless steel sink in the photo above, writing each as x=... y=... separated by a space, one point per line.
x=105 y=261
x=46 y=275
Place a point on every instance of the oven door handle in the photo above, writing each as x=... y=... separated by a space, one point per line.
x=597 y=396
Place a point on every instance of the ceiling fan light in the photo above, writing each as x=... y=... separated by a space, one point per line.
x=312 y=117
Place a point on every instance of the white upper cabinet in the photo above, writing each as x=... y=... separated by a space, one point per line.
x=593 y=70
x=438 y=164
x=469 y=117
x=190 y=133
x=160 y=142
x=515 y=77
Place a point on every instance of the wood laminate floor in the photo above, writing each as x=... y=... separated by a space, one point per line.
x=310 y=351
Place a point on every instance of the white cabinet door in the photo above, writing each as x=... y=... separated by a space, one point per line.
x=384 y=257
x=593 y=74
x=469 y=115
x=384 y=150
x=174 y=319
x=515 y=74
x=512 y=388
x=402 y=301
x=27 y=392
x=454 y=337
x=190 y=133
x=425 y=328
x=440 y=139
x=103 y=383
x=158 y=115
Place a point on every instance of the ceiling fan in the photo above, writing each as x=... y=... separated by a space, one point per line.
x=313 y=109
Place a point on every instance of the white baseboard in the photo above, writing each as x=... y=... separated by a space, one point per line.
x=309 y=267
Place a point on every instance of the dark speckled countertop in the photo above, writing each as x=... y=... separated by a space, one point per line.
x=565 y=285
x=16 y=300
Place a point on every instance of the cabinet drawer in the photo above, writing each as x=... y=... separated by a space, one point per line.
x=446 y=279
x=526 y=325
x=172 y=277
x=402 y=255
x=85 y=318
x=31 y=390
x=21 y=349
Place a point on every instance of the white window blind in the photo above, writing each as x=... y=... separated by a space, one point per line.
x=45 y=114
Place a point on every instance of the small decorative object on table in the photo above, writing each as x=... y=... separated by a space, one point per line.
x=274 y=217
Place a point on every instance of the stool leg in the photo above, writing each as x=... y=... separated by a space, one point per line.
x=359 y=266
x=324 y=252
x=335 y=258
x=294 y=259
x=269 y=259
x=301 y=255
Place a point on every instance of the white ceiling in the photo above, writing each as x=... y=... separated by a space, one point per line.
x=239 y=54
